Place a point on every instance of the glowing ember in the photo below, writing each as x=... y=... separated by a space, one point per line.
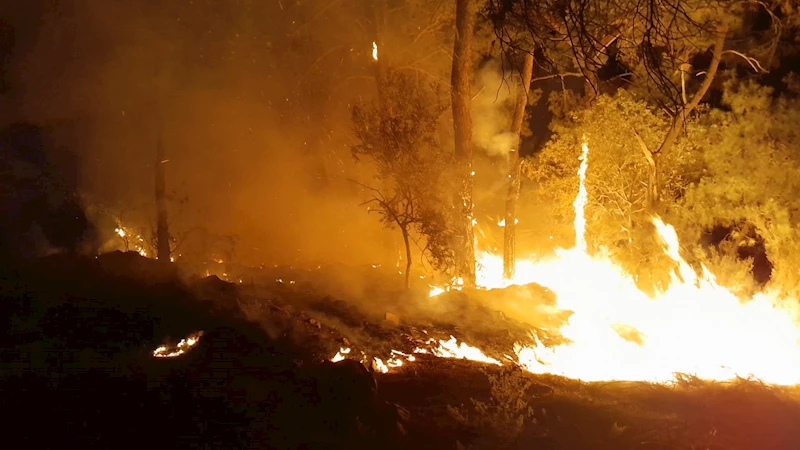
x=340 y=354
x=395 y=360
x=617 y=332
x=451 y=349
x=375 y=51
x=183 y=346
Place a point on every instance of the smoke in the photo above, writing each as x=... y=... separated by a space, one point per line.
x=492 y=110
x=257 y=139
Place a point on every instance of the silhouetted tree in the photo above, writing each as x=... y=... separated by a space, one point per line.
x=38 y=192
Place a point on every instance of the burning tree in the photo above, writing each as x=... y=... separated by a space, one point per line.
x=616 y=180
x=398 y=135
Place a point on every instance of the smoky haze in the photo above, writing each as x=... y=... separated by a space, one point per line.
x=250 y=100
x=492 y=110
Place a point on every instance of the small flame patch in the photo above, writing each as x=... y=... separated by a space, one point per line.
x=182 y=347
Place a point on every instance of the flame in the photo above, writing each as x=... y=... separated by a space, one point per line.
x=374 y=51
x=395 y=360
x=451 y=349
x=379 y=366
x=436 y=290
x=581 y=199
x=455 y=285
x=617 y=332
x=502 y=222
x=340 y=354
x=183 y=346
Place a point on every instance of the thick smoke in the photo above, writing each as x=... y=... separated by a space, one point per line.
x=492 y=110
x=253 y=119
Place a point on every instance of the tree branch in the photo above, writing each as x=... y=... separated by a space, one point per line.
x=647 y=153
x=749 y=59
x=558 y=75
x=711 y=73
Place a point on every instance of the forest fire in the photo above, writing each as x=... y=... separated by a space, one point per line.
x=375 y=236
x=617 y=332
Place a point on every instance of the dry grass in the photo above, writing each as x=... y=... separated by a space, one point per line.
x=481 y=406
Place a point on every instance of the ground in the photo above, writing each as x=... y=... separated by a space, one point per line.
x=78 y=368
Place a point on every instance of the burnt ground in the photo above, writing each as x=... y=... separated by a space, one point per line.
x=77 y=368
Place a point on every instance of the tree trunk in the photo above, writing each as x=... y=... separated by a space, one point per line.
x=408 y=255
x=510 y=231
x=462 y=126
x=654 y=189
x=162 y=226
x=654 y=182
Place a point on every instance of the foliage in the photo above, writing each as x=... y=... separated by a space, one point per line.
x=398 y=135
x=506 y=412
x=654 y=41
x=617 y=174
x=750 y=175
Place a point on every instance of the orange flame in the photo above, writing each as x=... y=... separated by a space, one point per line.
x=451 y=349
x=340 y=355
x=617 y=332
